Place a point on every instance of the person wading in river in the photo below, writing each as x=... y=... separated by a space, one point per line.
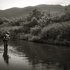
x=6 y=38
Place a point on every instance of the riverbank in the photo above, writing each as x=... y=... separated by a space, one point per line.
x=39 y=27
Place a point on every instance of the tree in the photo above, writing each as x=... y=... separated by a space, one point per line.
x=35 y=13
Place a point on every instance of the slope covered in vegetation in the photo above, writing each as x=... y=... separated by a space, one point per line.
x=39 y=27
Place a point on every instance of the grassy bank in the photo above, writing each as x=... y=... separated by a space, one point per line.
x=38 y=27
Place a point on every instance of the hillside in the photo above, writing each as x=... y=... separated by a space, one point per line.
x=39 y=26
x=17 y=12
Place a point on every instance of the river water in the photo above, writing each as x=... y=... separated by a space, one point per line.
x=23 y=55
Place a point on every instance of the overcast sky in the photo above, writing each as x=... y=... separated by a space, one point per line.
x=5 y=4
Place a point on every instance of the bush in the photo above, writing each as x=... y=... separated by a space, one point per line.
x=34 y=38
x=25 y=36
x=35 y=30
x=31 y=23
x=56 y=31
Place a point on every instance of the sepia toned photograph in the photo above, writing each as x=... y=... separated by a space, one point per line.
x=34 y=34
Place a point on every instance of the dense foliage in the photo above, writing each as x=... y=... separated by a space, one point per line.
x=39 y=27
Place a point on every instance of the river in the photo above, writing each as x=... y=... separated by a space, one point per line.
x=23 y=55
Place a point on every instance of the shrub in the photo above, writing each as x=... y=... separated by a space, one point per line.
x=35 y=30
x=34 y=38
x=56 y=31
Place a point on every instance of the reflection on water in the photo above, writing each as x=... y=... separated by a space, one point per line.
x=6 y=58
x=34 y=56
x=5 y=53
